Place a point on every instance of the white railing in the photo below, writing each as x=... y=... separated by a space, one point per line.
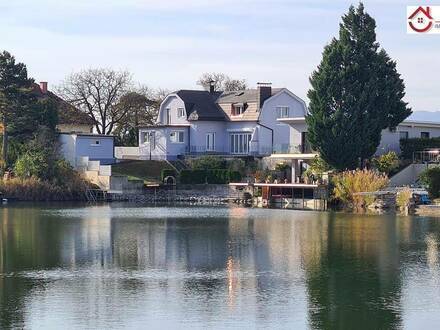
x=127 y=152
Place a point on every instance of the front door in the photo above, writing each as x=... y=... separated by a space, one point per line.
x=210 y=142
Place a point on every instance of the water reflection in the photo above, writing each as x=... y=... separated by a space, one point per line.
x=111 y=267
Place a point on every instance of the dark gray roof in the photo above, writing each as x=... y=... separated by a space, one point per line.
x=201 y=105
x=248 y=95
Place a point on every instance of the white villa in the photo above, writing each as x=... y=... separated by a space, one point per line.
x=254 y=122
x=257 y=122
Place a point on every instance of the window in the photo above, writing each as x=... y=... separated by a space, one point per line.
x=403 y=135
x=240 y=143
x=210 y=141
x=176 y=137
x=147 y=137
x=238 y=110
x=168 y=117
x=424 y=135
x=180 y=112
x=283 y=112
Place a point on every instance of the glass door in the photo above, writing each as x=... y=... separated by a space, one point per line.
x=240 y=142
x=210 y=142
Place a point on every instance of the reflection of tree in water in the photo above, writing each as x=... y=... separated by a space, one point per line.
x=356 y=284
x=198 y=247
x=25 y=244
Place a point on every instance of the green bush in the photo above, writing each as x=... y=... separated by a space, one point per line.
x=31 y=164
x=193 y=176
x=409 y=146
x=216 y=176
x=207 y=163
x=431 y=179
x=386 y=163
x=167 y=172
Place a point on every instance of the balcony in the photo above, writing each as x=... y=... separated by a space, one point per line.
x=292 y=149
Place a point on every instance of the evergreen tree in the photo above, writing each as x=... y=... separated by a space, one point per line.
x=15 y=87
x=356 y=93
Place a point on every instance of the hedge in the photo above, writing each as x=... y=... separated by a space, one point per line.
x=167 y=172
x=409 y=146
x=209 y=176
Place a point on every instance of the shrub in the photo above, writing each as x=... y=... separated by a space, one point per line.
x=348 y=184
x=431 y=179
x=221 y=176
x=207 y=163
x=167 y=172
x=31 y=164
x=409 y=146
x=386 y=163
x=34 y=189
x=193 y=176
x=403 y=198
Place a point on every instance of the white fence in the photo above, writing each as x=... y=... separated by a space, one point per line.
x=127 y=152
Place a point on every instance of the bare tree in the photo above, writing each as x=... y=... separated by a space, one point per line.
x=98 y=92
x=221 y=82
x=234 y=85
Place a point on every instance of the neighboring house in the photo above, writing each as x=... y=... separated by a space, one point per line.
x=75 y=146
x=76 y=133
x=255 y=122
x=70 y=119
x=409 y=128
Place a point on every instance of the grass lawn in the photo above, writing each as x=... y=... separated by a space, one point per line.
x=146 y=170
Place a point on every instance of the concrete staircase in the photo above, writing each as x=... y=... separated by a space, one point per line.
x=101 y=175
x=409 y=175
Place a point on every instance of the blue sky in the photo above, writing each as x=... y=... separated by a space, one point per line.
x=169 y=43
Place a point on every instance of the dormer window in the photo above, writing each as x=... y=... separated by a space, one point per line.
x=238 y=109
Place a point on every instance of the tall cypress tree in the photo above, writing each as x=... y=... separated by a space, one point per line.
x=356 y=93
x=15 y=90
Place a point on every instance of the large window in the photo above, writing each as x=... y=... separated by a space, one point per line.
x=403 y=135
x=424 y=135
x=210 y=141
x=283 y=112
x=177 y=137
x=240 y=142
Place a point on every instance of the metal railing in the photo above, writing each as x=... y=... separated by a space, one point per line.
x=427 y=156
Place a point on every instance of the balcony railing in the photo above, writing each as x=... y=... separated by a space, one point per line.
x=291 y=149
x=253 y=150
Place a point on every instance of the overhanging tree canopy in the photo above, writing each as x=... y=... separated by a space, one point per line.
x=356 y=93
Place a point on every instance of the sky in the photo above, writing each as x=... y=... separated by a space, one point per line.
x=170 y=43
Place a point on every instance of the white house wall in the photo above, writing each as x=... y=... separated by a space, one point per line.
x=67 y=142
x=173 y=103
x=284 y=134
x=390 y=141
x=199 y=129
x=86 y=146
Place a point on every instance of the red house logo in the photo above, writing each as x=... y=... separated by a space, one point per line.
x=421 y=19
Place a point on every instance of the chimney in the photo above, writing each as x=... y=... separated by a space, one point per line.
x=43 y=87
x=212 y=86
x=264 y=91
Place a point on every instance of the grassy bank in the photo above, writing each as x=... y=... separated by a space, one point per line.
x=148 y=171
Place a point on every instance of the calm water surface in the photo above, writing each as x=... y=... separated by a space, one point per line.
x=115 y=267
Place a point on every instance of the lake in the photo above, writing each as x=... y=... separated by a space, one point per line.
x=131 y=267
